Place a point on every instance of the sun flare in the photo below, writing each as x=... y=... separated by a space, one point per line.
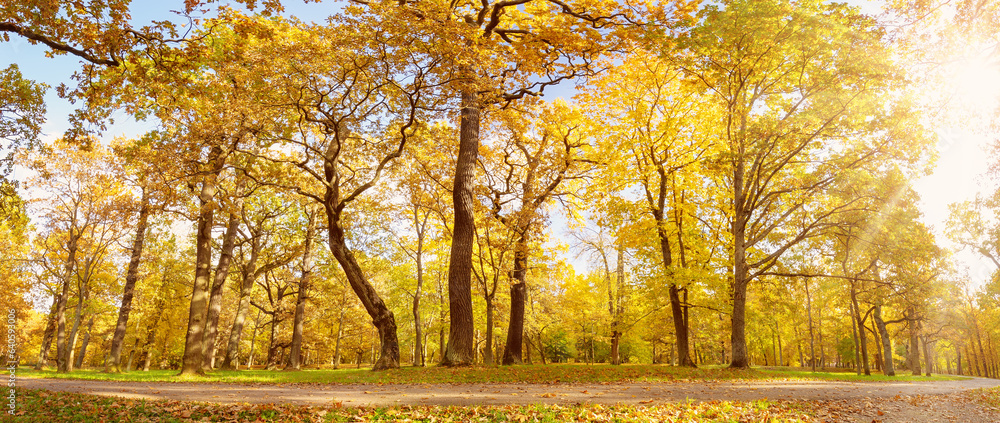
x=977 y=82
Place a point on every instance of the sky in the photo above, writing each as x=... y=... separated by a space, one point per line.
x=958 y=175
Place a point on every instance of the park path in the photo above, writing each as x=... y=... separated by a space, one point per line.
x=504 y=393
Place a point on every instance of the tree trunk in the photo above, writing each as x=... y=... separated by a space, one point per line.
x=382 y=317
x=541 y=348
x=887 y=364
x=860 y=323
x=812 y=338
x=340 y=335
x=50 y=331
x=197 y=313
x=298 y=322
x=84 y=291
x=878 y=347
x=249 y=273
x=488 y=351
x=741 y=273
x=461 y=350
x=62 y=355
x=518 y=291
x=131 y=355
x=86 y=341
x=253 y=340
x=680 y=326
x=418 y=356
x=273 y=347
x=914 y=350
x=927 y=357
x=958 y=353
x=444 y=318
x=147 y=347
x=131 y=277
x=215 y=295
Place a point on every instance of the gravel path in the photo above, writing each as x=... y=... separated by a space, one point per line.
x=498 y=394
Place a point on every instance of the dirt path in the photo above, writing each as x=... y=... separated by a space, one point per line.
x=498 y=394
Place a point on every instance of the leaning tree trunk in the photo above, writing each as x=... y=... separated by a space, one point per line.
x=382 y=317
x=215 y=295
x=86 y=341
x=461 y=350
x=249 y=275
x=131 y=277
x=298 y=322
x=887 y=365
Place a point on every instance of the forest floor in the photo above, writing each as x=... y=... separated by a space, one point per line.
x=964 y=400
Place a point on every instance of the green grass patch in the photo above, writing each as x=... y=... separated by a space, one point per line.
x=552 y=373
x=44 y=406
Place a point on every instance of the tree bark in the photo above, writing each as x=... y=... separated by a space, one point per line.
x=861 y=331
x=340 y=335
x=927 y=357
x=298 y=322
x=215 y=294
x=515 y=331
x=131 y=277
x=50 y=331
x=461 y=350
x=249 y=276
x=382 y=317
x=86 y=341
x=84 y=290
x=887 y=364
x=741 y=273
x=147 y=347
x=812 y=338
x=418 y=356
x=680 y=326
x=616 y=322
x=914 y=350
x=515 y=326
x=197 y=313
x=61 y=354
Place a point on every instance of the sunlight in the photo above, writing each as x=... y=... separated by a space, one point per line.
x=977 y=82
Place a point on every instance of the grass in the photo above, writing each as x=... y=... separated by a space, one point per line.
x=552 y=373
x=44 y=406
x=989 y=397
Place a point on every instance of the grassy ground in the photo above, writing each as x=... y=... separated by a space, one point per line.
x=513 y=374
x=989 y=397
x=44 y=406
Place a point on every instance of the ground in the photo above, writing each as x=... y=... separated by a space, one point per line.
x=802 y=400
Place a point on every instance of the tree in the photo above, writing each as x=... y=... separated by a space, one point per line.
x=22 y=112
x=805 y=95
x=355 y=117
x=664 y=128
x=85 y=213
